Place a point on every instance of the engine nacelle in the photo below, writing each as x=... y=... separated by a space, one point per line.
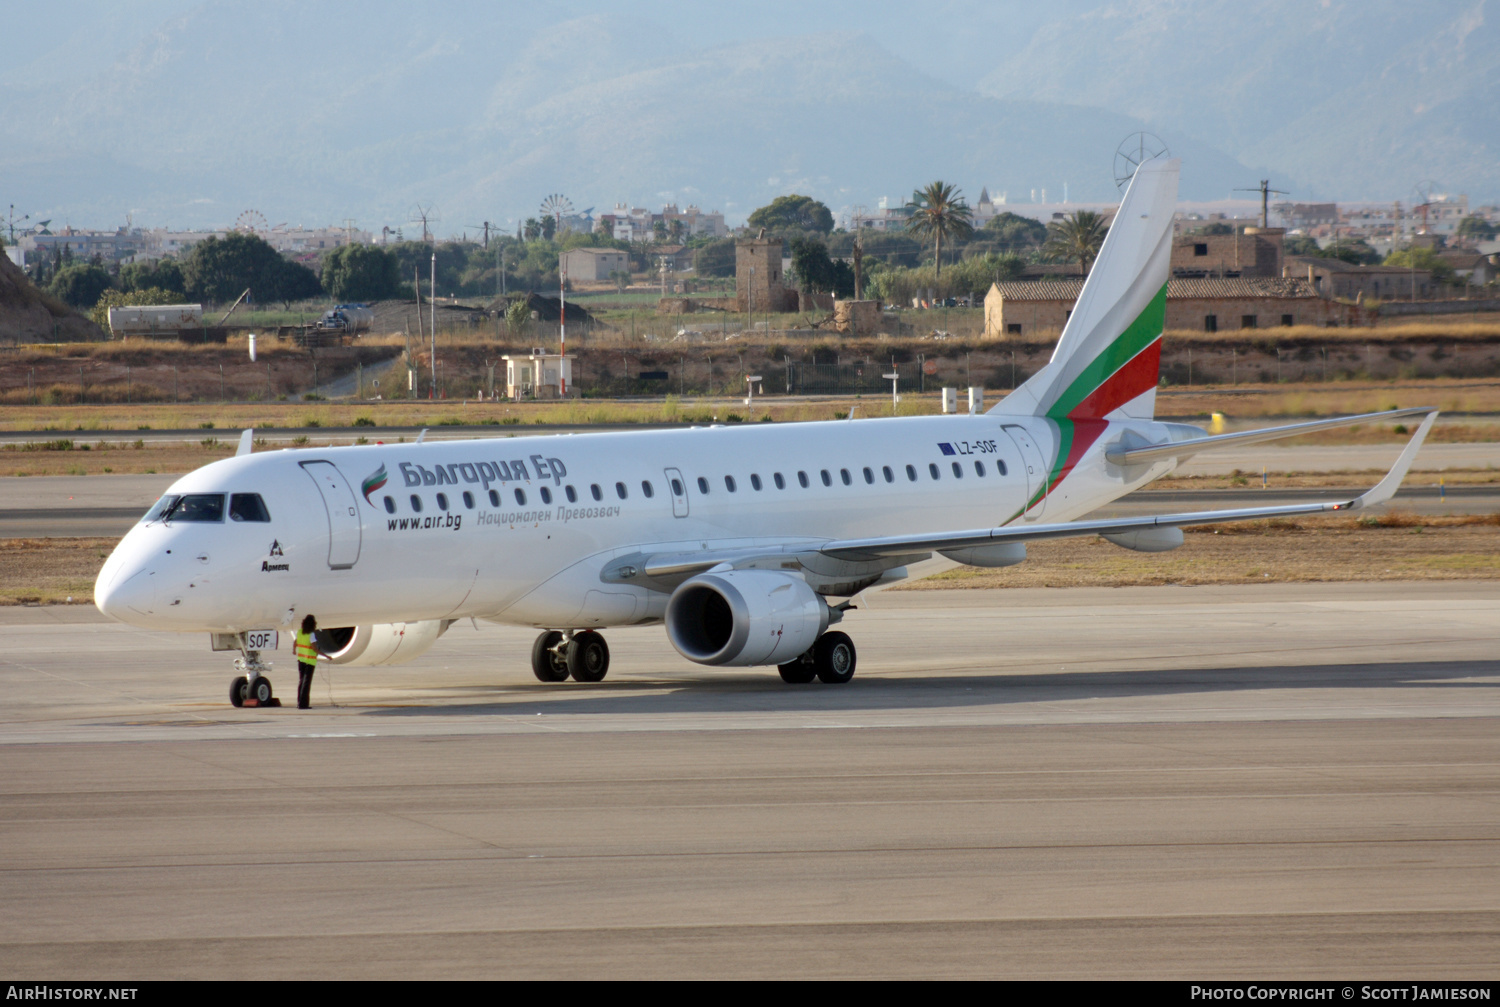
x=387 y=643
x=745 y=617
x=1148 y=539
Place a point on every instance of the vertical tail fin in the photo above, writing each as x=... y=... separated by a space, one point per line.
x=1108 y=360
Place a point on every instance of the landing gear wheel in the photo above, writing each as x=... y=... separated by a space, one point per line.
x=260 y=690
x=798 y=672
x=239 y=691
x=545 y=664
x=588 y=657
x=833 y=656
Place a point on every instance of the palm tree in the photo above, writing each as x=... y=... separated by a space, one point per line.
x=940 y=211
x=1079 y=236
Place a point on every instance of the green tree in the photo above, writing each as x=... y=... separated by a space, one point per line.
x=1355 y=251
x=800 y=213
x=1013 y=232
x=1077 y=238
x=292 y=281
x=81 y=284
x=361 y=273
x=939 y=212
x=217 y=269
x=1476 y=228
x=163 y=274
x=1301 y=244
x=549 y=227
x=518 y=317
x=532 y=229
x=715 y=258
x=1422 y=258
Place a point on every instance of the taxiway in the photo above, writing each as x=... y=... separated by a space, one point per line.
x=1289 y=781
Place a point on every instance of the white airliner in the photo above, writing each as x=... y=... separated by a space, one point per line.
x=747 y=542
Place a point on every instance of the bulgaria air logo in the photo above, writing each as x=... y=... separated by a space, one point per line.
x=373 y=482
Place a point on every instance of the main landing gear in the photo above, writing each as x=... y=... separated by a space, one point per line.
x=581 y=654
x=252 y=688
x=830 y=659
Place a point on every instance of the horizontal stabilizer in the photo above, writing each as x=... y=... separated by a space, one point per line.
x=874 y=548
x=1121 y=455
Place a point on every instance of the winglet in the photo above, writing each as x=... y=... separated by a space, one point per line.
x=1386 y=488
x=247 y=440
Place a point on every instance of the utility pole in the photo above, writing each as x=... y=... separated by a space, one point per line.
x=859 y=249
x=562 y=329
x=432 y=321
x=1265 y=191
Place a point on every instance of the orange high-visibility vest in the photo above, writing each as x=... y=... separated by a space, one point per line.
x=306 y=651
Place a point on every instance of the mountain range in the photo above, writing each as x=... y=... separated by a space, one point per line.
x=184 y=113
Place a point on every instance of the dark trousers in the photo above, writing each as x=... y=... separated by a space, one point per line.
x=304 y=684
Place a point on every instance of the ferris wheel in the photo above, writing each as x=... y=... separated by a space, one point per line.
x=252 y=222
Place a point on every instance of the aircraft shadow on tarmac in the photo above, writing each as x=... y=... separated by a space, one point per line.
x=744 y=693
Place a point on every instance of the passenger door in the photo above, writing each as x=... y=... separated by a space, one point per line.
x=343 y=513
x=1036 y=469
x=677 y=486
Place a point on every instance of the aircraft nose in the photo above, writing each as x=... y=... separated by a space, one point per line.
x=128 y=595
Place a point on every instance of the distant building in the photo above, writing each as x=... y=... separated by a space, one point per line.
x=1030 y=308
x=111 y=246
x=538 y=374
x=758 y=273
x=639 y=224
x=1471 y=267
x=679 y=257
x=1337 y=278
x=1249 y=251
x=594 y=264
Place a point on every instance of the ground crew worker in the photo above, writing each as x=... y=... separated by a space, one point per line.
x=307 y=659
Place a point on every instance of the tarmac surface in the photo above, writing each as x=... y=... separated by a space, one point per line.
x=1288 y=781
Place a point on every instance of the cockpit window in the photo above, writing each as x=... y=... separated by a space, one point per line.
x=248 y=507
x=201 y=507
x=159 y=508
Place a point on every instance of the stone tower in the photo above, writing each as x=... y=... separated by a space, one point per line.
x=767 y=292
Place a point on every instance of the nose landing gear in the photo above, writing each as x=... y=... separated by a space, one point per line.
x=252 y=688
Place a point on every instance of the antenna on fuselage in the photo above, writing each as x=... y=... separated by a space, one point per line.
x=421 y=435
x=247 y=439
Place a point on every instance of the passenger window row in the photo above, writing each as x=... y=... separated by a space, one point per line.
x=847 y=478
x=622 y=492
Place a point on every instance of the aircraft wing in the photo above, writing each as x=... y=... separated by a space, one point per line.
x=868 y=549
x=1121 y=454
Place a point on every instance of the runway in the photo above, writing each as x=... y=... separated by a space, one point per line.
x=1255 y=782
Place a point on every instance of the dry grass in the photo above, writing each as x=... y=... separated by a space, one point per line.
x=51 y=571
x=1395 y=546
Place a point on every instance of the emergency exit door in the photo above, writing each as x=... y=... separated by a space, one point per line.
x=342 y=508
x=677 y=486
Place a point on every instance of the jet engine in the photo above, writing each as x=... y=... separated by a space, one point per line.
x=745 y=617
x=387 y=643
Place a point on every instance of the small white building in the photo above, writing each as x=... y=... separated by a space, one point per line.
x=539 y=375
x=590 y=265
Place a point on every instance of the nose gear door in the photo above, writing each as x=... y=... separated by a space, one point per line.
x=343 y=513
x=678 y=488
x=1036 y=470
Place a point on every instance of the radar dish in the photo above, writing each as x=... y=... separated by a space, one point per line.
x=251 y=222
x=1134 y=149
